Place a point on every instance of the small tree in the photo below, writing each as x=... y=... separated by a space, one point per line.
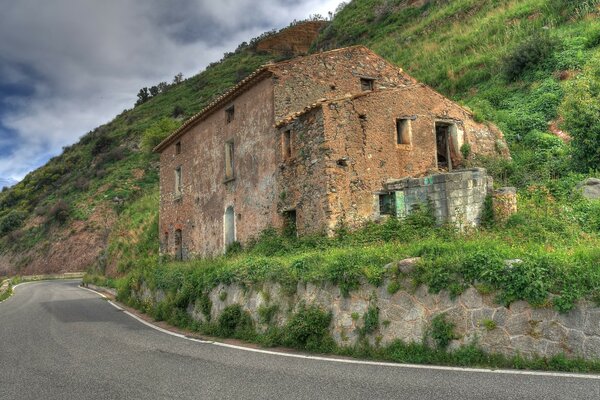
x=154 y=90
x=178 y=78
x=143 y=96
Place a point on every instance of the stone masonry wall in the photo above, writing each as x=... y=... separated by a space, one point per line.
x=302 y=176
x=305 y=80
x=407 y=314
x=456 y=197
x=362 y=131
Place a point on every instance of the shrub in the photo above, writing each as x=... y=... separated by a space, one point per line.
x=11 y=221
x=234 y=321
x=102 y=144
x=59 y=211
x=581 y=112
x=266 y=313
x=157 y=132
x=528 y=55
x=308 y=329
x=441 y=331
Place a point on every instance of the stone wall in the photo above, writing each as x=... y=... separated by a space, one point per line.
x=456 y=197
x=407 y=314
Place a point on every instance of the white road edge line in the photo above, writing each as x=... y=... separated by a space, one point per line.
x=346 y=361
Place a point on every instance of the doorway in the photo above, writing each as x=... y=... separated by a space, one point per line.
x=178 y=245
x=229 y=226
x=442 y=144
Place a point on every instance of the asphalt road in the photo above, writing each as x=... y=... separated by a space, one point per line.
x=58 y=341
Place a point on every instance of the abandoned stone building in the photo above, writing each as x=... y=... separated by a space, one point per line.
x=309 y=142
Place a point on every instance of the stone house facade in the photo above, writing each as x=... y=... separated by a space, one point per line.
x=306 y=143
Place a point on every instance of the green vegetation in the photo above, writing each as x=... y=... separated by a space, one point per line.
x=441 y=331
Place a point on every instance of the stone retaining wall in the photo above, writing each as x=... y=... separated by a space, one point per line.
x=406 y=315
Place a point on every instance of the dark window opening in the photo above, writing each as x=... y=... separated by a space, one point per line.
x=166 y=242
x=287 y=144
x=178 y=148
x=228 y=161
x=387 y=204
x=230 y=113
x=289 y=223
x=442 y=144
x=367 y=84
x=178 y=245
x=402 y=131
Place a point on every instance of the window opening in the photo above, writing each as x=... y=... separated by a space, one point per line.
x=228 y=161
x=178 y=183
x=287 y=144
x=403 y=131
x=366 y=84
x=178 y=148
x=387 y=204
x=230 y=113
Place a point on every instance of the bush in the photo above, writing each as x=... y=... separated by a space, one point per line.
x=581 y=112
x=309 y=329
x=234 y=321
x=59 y=211
x=528 y=55
x=157 y=132
x=11 y=221
x=441 y=331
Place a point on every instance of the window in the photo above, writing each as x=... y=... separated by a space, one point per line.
x=178 y=184
x=229 y=161
x=230 y=113
x=178 y=148
x=403 y=131
x=367 y=84
x=387 y=204
x=286 y=144
x=166 y=242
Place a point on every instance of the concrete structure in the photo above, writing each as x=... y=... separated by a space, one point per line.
x=456 y=197
x=307 y=142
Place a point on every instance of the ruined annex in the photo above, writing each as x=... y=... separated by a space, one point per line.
x=307 y=143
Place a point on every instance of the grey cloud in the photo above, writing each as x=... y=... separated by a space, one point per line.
x=67 y=66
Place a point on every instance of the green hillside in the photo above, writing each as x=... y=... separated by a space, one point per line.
x=532 y=67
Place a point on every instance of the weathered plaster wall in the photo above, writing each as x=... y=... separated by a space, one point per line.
x=406 y=315
x=199 y=212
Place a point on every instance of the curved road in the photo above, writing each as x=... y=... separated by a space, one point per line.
x=58 y=341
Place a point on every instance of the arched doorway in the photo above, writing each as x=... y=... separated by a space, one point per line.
x=229 y=225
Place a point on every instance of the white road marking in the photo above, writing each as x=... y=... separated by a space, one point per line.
x=347 y=361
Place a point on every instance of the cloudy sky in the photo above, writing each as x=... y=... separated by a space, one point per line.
x=67 y=66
